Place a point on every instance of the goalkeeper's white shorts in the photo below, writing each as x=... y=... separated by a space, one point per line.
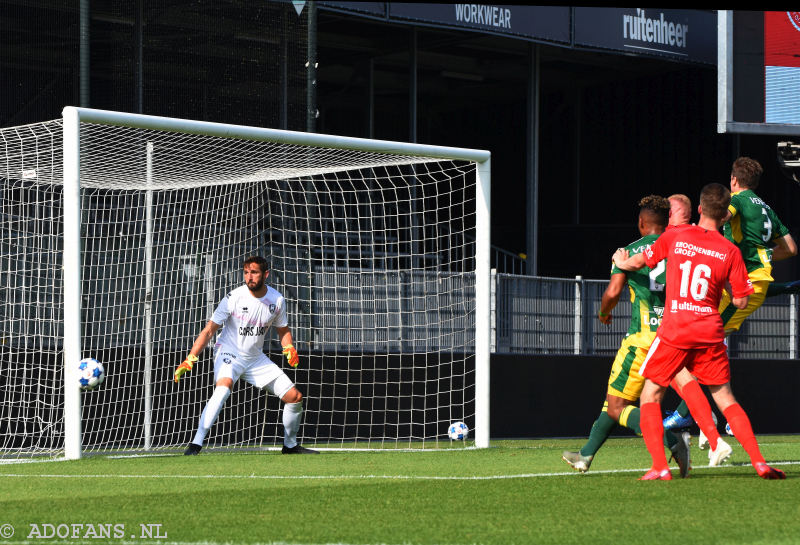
x=261 y=372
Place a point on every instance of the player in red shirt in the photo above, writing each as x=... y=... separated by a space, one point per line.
x=690 y=340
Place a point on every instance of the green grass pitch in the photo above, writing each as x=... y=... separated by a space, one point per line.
x=516 y=492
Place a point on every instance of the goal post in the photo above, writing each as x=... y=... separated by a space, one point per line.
x=380 y=248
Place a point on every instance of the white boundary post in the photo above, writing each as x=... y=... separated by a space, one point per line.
x=792 y=326
x=483 y=324
x=576 y=344
x=493 y=303
x=72 y=283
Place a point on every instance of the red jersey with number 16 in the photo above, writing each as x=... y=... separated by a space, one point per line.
x=699 y=263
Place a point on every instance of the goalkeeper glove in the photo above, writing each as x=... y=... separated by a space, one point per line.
x=187 y=365
x=291 y=355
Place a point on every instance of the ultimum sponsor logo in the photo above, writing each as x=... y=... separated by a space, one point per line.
x=656 y=30
x=691 y=307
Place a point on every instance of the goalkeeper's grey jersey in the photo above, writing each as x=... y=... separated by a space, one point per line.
x=246 y=320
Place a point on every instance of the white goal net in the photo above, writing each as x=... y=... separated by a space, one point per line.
x=375 y=252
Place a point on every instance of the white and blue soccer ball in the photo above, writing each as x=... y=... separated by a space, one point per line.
x=458 y=431
x=728 y=429
x=91 y=374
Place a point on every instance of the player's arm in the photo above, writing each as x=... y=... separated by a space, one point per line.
x=740 y=302
x=627 y=262
x=728 y=216
x=611 y=297
x=785 y=248
x=732 y=211
x=285 y=336
x=200 y=343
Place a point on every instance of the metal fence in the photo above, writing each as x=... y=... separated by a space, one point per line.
x=537 y=315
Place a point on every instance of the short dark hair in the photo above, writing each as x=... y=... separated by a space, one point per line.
x=714 y=200
x=656 y=208
x=747 y=172
x=258 y=260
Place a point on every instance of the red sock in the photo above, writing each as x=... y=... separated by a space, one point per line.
x=743 y=431
x=652 y=432
x=701 y=411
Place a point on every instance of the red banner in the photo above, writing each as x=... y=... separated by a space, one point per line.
x=782 y=38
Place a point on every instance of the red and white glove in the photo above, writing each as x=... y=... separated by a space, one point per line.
x=185 y=366
x=291 y=355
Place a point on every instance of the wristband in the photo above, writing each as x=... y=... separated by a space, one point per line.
x=601 y=314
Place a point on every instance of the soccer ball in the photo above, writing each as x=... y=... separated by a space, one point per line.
x=728 y=429
x=91 y=374
x=458 y=431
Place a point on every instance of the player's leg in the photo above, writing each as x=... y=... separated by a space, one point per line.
x=710 y=366
x=680 y=418
x=732 y=318
x=659 y=369
x=743 y=430
x=265 y=374
x=783 y=288
x=227 y=370
x=601 y=429
x=292 y=414
x=624 y=386
x=689 y=389
x=652 y=431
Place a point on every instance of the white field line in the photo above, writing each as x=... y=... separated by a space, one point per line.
x=278 y=449
x=8 y=461
x=357 y=477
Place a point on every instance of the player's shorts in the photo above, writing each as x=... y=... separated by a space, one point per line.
x=625 y=380
x=261 y=372
x=733 y=317
x=709 y=364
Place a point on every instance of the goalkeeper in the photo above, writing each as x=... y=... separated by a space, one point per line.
x=246 y=314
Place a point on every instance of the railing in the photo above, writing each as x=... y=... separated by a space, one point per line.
x=508 y=262
x=537 y=315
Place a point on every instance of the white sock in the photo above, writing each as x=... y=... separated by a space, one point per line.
x=291 y=422
x=210 y=413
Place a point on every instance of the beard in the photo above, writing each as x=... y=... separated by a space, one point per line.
x=255 y=285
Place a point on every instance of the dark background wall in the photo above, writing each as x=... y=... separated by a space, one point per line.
x=613 y=127
x=561 y=396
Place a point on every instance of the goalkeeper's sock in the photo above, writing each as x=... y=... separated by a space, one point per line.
x=653 y=432
x=701 y=411
x=743 y=431
x=291 y=422
x=210 y=413
x=683 y=409
x=601 y=429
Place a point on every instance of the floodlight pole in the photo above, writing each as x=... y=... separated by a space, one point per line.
x=72 y=283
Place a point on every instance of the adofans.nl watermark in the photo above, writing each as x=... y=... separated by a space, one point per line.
x=85 y=531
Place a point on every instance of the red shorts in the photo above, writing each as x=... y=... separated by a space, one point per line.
x=709 y=364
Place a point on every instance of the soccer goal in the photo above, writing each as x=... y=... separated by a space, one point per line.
x=121 y=233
